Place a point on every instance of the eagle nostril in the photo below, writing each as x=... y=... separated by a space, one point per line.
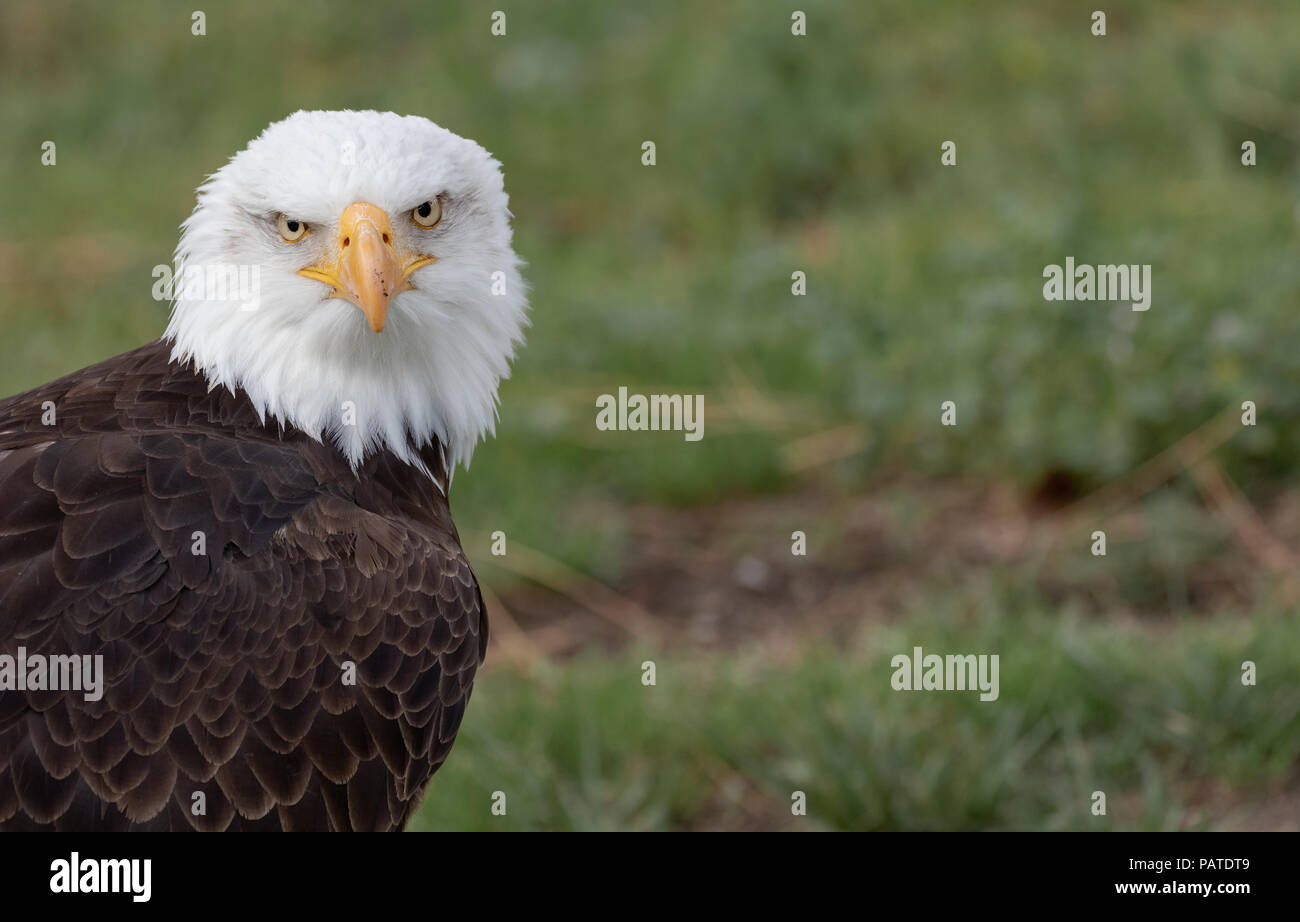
x=347 y=240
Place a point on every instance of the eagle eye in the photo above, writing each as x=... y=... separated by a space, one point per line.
x=427 y=214
x=291 y=229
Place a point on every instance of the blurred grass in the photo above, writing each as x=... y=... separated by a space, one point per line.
x=924 y=284
x=1155 y=717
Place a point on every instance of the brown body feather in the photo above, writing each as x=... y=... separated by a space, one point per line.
x=223 y=672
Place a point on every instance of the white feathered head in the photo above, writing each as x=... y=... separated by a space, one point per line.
x=353 y=273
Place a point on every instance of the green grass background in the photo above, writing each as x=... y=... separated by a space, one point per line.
x=775 y=154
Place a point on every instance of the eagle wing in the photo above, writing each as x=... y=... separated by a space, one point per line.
x=276 y=655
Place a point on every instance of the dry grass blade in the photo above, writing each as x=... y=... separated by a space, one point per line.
x=1221 y=493
x=515 y=645
x=1178 y=457
x=590 y=593
x=822 y=448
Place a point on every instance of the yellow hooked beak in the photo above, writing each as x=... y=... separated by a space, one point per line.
x=367 y=270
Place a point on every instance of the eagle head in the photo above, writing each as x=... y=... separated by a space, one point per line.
x=354 y=274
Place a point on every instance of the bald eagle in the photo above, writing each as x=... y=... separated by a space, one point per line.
x=231 y=593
